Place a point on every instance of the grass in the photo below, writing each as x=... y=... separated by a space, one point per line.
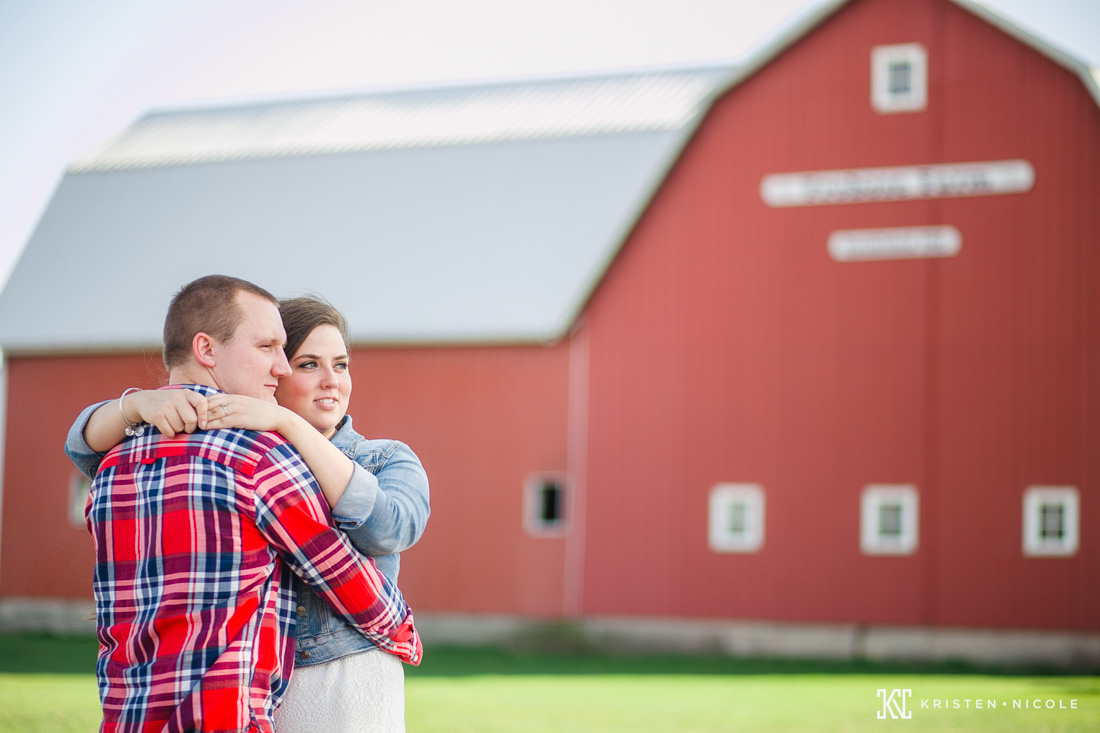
x=47 y=684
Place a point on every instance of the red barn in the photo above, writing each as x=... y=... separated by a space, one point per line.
x=806 y=353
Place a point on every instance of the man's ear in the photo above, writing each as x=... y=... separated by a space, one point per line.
x=202 y=348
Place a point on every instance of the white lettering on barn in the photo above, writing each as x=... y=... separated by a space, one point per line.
x=852 y=245
x=864 y=185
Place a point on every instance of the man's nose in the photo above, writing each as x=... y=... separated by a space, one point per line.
x=281 y=368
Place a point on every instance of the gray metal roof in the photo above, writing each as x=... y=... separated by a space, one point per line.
x=467 y=214
x=467 y=115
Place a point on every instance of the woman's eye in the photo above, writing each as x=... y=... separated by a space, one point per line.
x=307 y=365
x=342 y=366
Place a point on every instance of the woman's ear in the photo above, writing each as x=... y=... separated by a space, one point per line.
x=202 y=348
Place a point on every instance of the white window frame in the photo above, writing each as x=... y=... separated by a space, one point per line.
x=725 y=497
x=533 y=522
x=875 y=497
x=883 y=99
x=1035 y=498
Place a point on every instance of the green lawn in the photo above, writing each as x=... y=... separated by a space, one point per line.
x=46 y=684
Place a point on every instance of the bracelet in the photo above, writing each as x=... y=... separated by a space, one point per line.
x=132 y=429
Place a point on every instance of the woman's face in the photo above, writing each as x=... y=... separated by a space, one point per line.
x=319 y=385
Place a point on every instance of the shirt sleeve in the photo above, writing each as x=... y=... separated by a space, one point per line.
x=386 y=513
x=292 y=514
x=77 y=449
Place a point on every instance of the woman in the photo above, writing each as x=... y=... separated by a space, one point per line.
x=377 y=489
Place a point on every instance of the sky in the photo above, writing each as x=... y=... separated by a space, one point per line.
x=73 y=73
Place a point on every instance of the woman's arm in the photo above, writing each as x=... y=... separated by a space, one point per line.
x=329 y=465
x=169 y=410
x=102 y=426
x=388 y=514
x=383 y=508
x=83 y=456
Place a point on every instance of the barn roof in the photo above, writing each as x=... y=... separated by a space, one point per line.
x=481 y=213
x=460 y=214
x=412 y=118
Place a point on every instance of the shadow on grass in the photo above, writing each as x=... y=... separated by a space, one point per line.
x=28 y=653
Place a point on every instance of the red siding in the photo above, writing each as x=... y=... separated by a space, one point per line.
x=480 y=419
x=41 y=553
x=726 y=345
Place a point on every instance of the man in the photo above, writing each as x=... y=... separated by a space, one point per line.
x=194 y=609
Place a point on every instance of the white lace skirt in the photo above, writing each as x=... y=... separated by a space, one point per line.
x=364 y=693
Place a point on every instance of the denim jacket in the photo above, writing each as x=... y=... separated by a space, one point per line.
x=383 y=511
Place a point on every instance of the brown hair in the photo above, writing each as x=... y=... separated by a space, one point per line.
x=207 y=305
x=302 y=315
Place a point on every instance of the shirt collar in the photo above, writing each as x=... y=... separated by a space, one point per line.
x=200 y=388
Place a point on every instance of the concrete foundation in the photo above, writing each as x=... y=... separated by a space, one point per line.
x=1063 y=650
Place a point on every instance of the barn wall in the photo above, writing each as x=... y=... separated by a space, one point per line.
x=480 y=419
x=726 y=345
x=43 y=554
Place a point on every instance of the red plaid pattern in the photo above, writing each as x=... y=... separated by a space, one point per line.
x=195 y=608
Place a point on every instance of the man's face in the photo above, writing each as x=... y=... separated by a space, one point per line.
x=252 y=362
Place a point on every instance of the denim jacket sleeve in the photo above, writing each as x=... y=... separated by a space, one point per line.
x=386 y=505
x=77 y=449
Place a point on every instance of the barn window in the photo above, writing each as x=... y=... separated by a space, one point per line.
x=1050 y=521
x=736 y=518
x=899 y=78
x=546 y=504
x=79 y=485
x=888 y=519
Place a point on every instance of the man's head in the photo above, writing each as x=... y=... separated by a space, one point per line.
x=225 y=333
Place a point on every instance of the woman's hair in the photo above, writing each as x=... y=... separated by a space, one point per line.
x=302 y=315
x=207 y=305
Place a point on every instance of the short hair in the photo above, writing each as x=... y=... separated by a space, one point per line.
x=302 y=315
x=207 y=305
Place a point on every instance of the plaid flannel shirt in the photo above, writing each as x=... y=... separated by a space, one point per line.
x=195 y=608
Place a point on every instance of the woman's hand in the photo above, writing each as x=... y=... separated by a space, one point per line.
x=329 y=465
x=246 y=413
x=169 y=410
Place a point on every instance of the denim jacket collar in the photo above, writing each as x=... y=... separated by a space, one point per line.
x=345 y=438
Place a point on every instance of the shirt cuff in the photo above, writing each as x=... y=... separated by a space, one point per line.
x=357 y=503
